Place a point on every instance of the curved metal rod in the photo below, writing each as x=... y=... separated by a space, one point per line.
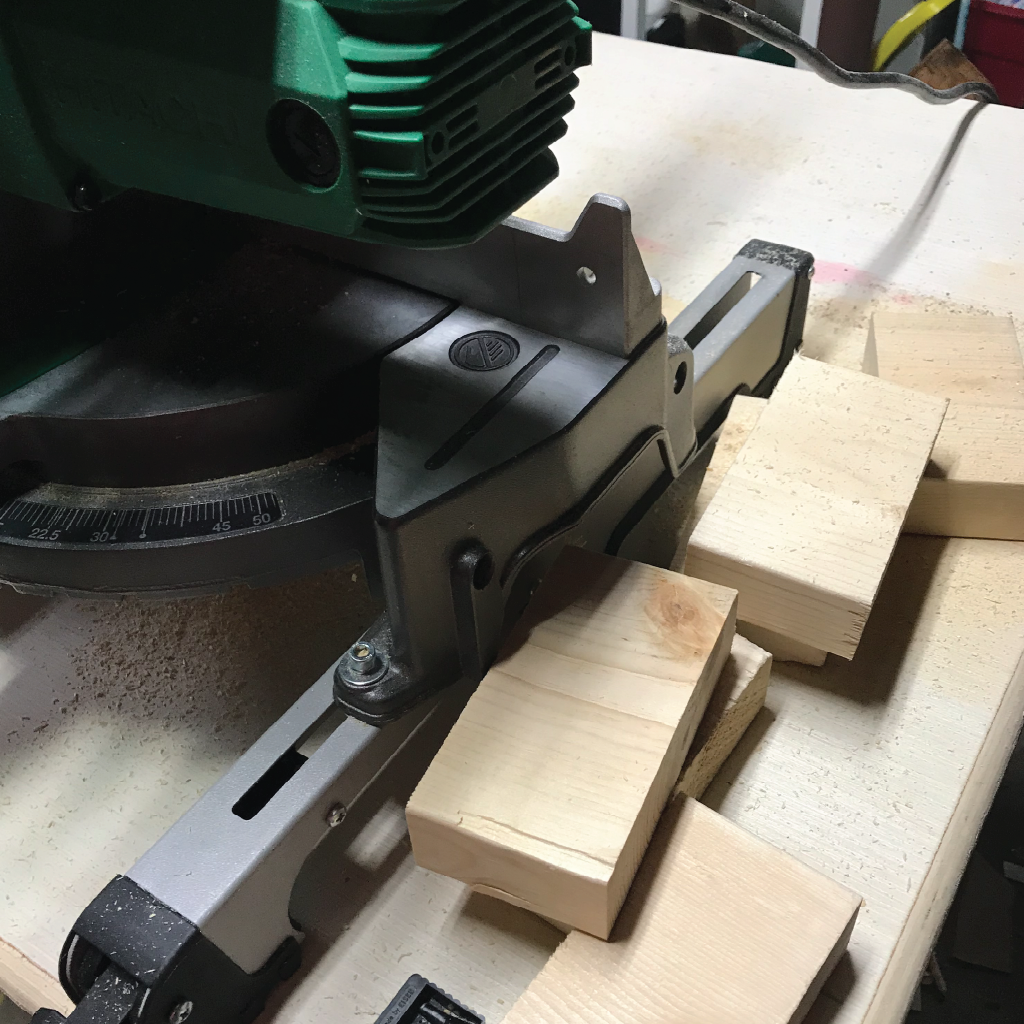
x=778 y=35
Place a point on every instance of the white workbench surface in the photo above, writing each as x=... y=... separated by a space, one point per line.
x=114 y=717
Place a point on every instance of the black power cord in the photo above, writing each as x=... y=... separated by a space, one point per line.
x=778 y=35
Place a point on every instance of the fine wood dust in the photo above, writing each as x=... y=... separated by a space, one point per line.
x=232 y=661
x=117 y=714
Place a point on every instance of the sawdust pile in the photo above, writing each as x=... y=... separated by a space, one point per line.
x=234 y=660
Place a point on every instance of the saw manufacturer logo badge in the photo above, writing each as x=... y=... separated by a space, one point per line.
x=203 y=117
x=484 y=350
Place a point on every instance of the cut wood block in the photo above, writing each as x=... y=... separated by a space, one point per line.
x=719 y=928
x=738 y=696
x=975 y=360
x=805 y=521
x=28 y=985
x=974 y=483
x=548 y=788
x=782 y=648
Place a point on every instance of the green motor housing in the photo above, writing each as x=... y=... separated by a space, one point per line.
x=416 y=122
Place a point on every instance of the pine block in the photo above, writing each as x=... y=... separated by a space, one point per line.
x=805 y=522
x=974 y=483
x=744 y=413
x=548 y=788
x=971 y=359
x=783 y=648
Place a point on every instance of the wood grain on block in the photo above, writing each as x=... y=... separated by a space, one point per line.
x=944 y=67
x=970 y=359
x=782 y=648
x=974 y=483
x=719 y=927
x=806 y=519
x=738 y=696
x=548 y=788
x=744 y=413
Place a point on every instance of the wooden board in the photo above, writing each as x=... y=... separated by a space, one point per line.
x=944 y=67
x=28 y=985
x=974 y=360
x=744 y=413
x=974 y=483
x=719 y=927
x=547 y=790
x=879 y=771
x=737 y=698
x=805 y=521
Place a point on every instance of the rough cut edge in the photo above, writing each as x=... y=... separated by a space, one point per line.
x=830 y=964
x=725 y=720
x=27 y=985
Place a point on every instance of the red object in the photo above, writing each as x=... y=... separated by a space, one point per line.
x=995 y=45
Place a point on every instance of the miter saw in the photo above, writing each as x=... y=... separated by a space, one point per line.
x=266 y=310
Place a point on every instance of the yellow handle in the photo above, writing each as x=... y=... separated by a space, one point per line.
x=910 y=23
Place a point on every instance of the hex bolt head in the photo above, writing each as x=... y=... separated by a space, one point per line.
x=363 y=664
x=336 y=815
x=365 y=658
x=180 y=1012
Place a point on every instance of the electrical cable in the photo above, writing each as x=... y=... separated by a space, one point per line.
x=778 y=35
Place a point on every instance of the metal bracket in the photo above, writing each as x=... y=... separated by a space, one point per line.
x=744 y=328
x=586 y=285
x=229 y=864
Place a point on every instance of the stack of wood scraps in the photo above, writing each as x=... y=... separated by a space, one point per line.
x=737 y=698
x=569 y=785
x=550 y=786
